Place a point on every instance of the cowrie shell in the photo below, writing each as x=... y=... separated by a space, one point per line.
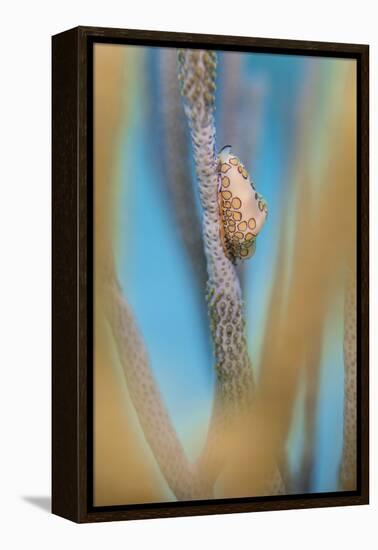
x=240 y=204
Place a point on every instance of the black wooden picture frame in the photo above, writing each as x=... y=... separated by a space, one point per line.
x=72 y=274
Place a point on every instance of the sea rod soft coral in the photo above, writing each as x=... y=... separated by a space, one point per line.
x=234 y=378
x=197 y=71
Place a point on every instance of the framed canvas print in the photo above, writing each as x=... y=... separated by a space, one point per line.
x=210 y=274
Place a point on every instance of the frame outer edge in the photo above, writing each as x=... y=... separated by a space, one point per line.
x=363 y=227
x=65 y=430
x=83 y=285
x=70 y=264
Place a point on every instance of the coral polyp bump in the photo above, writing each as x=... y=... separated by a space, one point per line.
x=243 y=211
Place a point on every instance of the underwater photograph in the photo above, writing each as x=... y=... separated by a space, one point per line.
x=224 y=247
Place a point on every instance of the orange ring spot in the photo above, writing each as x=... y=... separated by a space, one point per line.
x=226 y=195
x=236 y=202
x=252 y=223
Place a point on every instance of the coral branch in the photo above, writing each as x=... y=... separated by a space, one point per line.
x=197 y=75
x=312 y=387
x=348 y=467
x=197 y=72
x=153 y=416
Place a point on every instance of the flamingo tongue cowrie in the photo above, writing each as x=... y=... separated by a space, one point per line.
x=243 y=211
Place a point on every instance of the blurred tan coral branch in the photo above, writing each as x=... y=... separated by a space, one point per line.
x=145 y=395
x=322 y=250
x=110 y=303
